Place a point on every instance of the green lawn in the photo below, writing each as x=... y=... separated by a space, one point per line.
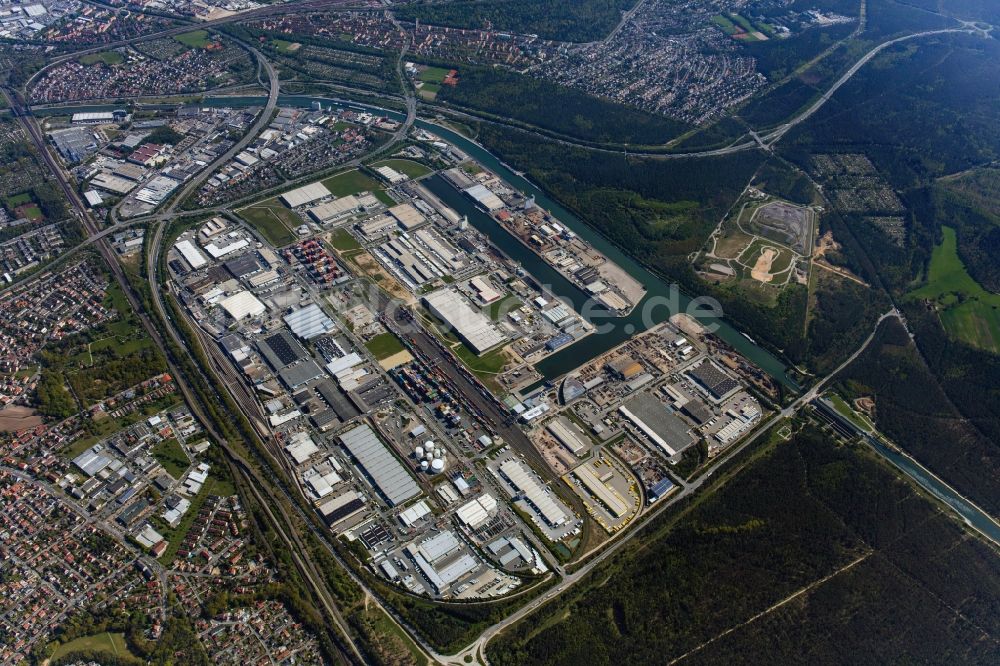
x=19 y=199
x=196 y=39
x=430 y=90
x=848 y=412
x=170 y=454
x=433 y=74
x=355 y=181
x=343 y=241
x=506 y=305
x=284 y=46
x=409 y=167
x=384 y=345
x=112 y=643
x=273 y=220
x=107 y=57
x=724 y=24
x=485 y=367
x=33 y=213
x=968 y=312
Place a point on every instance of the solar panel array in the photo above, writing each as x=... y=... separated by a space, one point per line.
x=716 y=381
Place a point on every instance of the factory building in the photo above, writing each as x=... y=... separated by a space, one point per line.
x=526 y=484
x=386 y=473
x=476 y=329
x=306 y=194
x=664 y=428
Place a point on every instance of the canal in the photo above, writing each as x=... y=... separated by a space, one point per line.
x=594 y=345
x=661 y=301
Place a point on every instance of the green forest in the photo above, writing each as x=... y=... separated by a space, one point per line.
x=562 y=20
x=506 y=94
x=860 y=541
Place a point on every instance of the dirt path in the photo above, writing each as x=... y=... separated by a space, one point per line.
x=762 y=269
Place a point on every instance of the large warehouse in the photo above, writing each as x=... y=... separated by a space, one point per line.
x=484 y=197
x=475 y=328
x=385 y=471
x=242 y=304
x=306 y=194
x=664 y=428
x=526 y=484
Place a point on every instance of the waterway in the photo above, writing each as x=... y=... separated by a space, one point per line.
x=594 y=345
x=661 y=301
x=970 y=514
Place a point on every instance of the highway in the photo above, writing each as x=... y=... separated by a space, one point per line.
x=399 y=320
x=310 y=573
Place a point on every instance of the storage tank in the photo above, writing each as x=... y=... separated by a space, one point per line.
x=437 y=465
x=429 y=456
x=418 y=452
x=424 y=465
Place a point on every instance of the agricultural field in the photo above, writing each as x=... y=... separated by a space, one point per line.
x=273 y=220
x=967 y=311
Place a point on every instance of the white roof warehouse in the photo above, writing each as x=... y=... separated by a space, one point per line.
x=475 y=328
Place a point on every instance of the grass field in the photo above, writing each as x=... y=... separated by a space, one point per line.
x=433 y=75
x=968 y=312
x=170 y=454
x=285 y=46
x=273 y=220
x=504 y=305
x=848 y=412
x=33 y=213
x=19 y=199
x=409 y=167
x=485 y=367
x=385 y=345
x=112 y=643
x=355 y=181
x=196 y=39
x=343 y=241
x=107 y=57
x=725 y=24
x=429 y=90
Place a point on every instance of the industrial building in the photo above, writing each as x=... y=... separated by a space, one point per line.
x=525 y=483
x=484 y=197
x=306 y=194
x=432 y=558
x=568 y=436
x=386 y=473
x=333 y=211
x=192 y=256
x=667 y=430
x=714 y=380
x=475 y=512
x=476 y=329
x=241 y=305
x=309 y=322
x=595 y=484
